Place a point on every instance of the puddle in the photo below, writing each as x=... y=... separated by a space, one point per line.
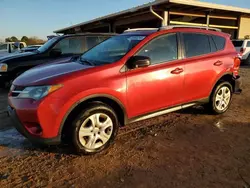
x=10 y=139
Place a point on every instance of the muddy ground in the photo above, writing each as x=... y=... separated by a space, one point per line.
x=184 y=149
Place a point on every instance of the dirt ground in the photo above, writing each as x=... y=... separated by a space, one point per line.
x=184 y=149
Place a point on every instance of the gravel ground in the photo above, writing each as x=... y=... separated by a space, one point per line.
x=184 y=149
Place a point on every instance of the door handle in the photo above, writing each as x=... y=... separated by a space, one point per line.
x=177 y=71
x=218 y=63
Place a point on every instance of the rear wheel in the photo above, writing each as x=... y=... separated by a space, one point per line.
x=94 y=129
x=221 y=98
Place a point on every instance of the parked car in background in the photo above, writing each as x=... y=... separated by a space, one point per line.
x=58 y=48
x=11 y=47
x=243 y=48
x=131 y=77
x=30 y=48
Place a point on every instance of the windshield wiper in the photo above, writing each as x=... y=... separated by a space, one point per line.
x=86 y=62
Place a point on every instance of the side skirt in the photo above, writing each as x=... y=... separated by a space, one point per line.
x=166 y=111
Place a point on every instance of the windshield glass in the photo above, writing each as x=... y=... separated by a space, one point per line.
x=111 y=50
x=47 y=45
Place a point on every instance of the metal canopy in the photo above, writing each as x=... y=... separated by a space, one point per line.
x=160 y=5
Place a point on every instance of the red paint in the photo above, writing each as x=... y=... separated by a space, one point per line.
x=140 y=91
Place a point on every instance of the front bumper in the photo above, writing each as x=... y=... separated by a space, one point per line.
x=22 y=130
x=238 y=85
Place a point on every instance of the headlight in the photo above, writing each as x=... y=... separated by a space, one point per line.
x=38 y=92
x=3 y=67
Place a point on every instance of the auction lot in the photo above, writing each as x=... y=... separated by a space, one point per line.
x=185 y=149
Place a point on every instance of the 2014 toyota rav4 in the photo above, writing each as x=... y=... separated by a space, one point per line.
x=130 y=77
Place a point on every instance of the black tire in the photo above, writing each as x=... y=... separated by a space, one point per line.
x=91 y=109
x=211 y=106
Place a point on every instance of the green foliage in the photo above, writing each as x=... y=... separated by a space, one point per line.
x=14 y=39
x=8 y=40
x=24 y=39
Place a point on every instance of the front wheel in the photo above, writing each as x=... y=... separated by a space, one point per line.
x=94 y=129
x=221 y=98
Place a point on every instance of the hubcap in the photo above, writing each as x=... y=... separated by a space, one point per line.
x=222 y=98
x=95 y=131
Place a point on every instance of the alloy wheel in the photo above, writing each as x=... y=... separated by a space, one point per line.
x=222 y=99
x=95 y=131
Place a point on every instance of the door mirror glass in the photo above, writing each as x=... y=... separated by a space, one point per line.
x=138 y=62
x=55 y=52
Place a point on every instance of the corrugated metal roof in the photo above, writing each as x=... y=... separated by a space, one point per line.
x=158 y=2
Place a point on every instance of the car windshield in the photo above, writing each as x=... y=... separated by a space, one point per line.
x=111 y=50
x=47 y=45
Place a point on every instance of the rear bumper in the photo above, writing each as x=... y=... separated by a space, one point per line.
x=21 y=129
x=238 y=85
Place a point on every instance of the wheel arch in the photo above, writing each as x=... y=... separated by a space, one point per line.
x=109 y=100
x=228 y=76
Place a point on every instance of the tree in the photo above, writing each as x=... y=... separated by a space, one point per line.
x=8 y=39
x=35 y=40
x=14 y=39
x=25 y=39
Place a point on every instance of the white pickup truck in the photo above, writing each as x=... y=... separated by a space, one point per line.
x=11 y=47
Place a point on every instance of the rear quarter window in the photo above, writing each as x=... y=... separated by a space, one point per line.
x=219 y=42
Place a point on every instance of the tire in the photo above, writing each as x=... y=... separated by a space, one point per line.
x=221 y=98
x=94 y=129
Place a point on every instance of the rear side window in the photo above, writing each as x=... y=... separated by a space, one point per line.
x=238 y=43
x=248 y=44
x=219 y=42
x=196 y=44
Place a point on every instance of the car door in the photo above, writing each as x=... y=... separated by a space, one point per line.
x=159 y=85
x=203 y=62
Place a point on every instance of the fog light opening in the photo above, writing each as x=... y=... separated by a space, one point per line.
x=33 y=128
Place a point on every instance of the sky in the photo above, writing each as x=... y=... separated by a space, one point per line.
x=41 y=17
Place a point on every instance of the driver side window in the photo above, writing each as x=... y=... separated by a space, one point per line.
x=162 y=49
x=70 y=45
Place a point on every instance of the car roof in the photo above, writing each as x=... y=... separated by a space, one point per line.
x=89 y=34
x=150 y=31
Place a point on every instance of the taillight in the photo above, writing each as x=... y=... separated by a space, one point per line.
x=236 y=66
x=242 y=50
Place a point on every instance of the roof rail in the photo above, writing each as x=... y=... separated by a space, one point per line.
x=189 y=26
x=141 y=29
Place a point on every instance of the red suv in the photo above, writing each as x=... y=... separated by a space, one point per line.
x=139 y=74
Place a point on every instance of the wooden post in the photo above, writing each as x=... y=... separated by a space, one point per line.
x=165 y=18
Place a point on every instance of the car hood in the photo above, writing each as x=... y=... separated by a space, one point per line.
x=16 y=55
x=44 y=74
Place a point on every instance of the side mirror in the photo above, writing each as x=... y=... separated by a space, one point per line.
x=55 y=52
x=138 y=61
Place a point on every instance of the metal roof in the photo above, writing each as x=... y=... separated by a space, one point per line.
x=159 y=2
